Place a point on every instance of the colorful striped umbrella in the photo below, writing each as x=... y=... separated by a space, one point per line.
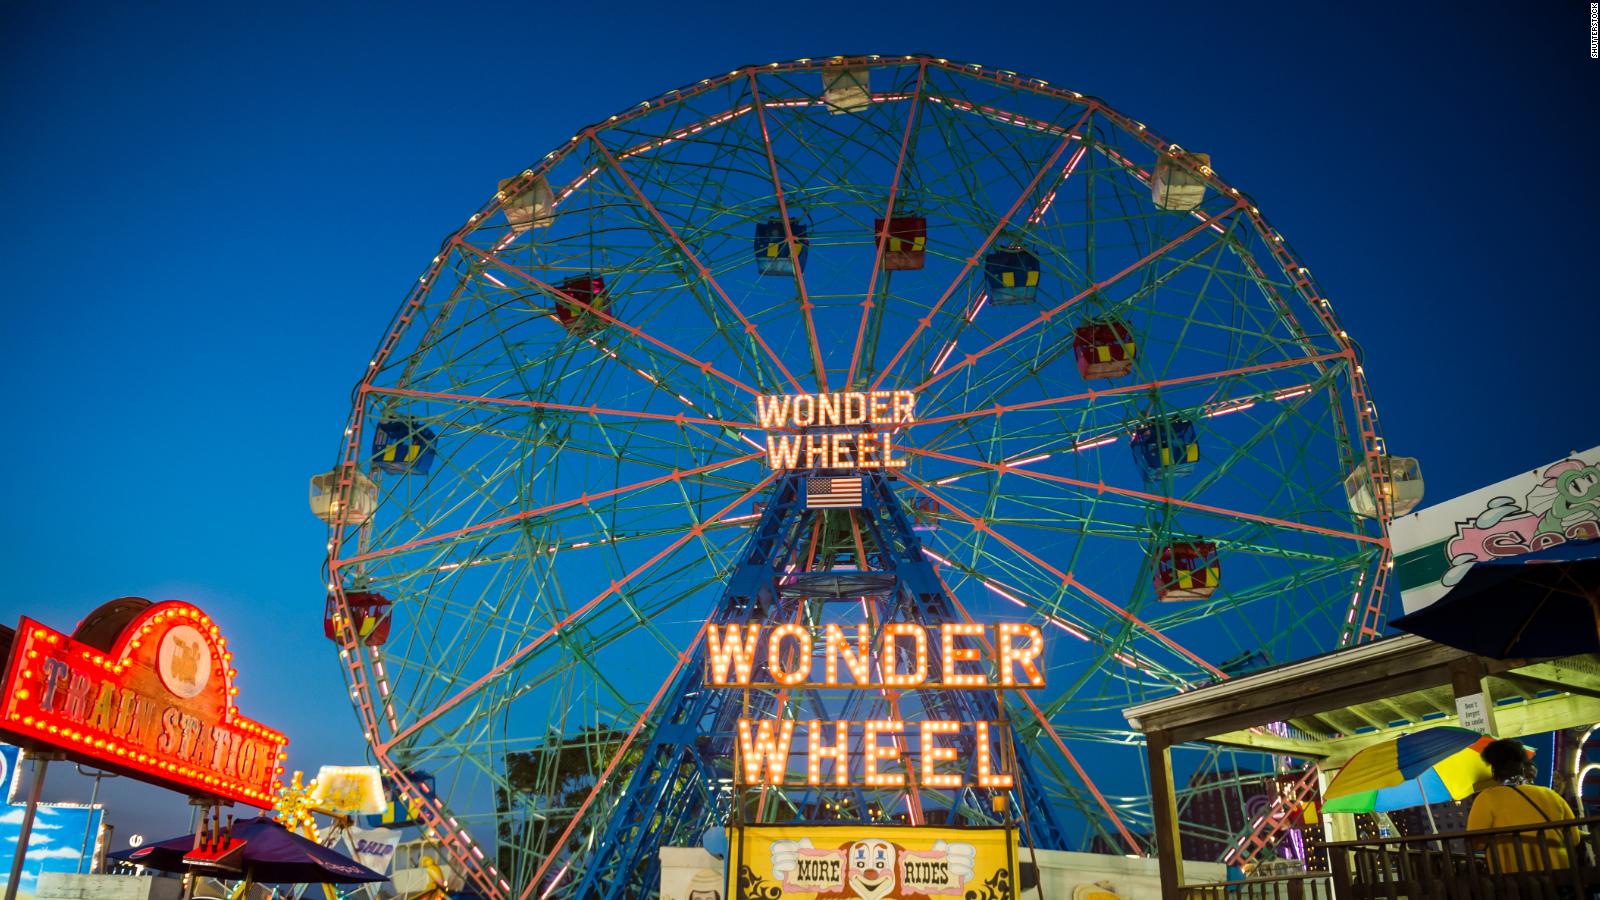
x=1434 y=765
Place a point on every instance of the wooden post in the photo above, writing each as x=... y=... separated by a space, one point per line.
x=25 y=830
x=1338 y=826
x=200 y=812
x=1164 y=807
x=1474 y=706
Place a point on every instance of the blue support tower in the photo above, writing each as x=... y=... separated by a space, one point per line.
x=797 y=562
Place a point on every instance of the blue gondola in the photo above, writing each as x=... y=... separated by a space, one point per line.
x=772 y=247
x=1167 y=447
x=402 y=448
x=1244 y=663
x=1012 y=275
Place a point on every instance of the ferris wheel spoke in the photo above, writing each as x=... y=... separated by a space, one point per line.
x=1043 y=439
x=691 y=258
x=590 y=409
x=514 y=658
x=1053 y=613
x=616 y=758
x=1011 y=377
x=1102 y=488
x=585 y=498
x=1061 y=746
x=1042 y=593
x=1045 y=316
x=632 y=330
x=868 y=301
x=1035 y=217
x=586 y=656
x=972 y=261
x=1064 y=577
x=1130 y=389
x=697 y=205
x=819 y=366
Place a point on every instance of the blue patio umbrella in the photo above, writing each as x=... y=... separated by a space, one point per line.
x=1545 y=603
x=272 y=854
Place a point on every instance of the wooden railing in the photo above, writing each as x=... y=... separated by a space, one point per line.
x=1301 y=886
x=1554 y=860
x=1550 y=861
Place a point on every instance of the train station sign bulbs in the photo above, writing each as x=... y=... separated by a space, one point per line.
x=145 y=690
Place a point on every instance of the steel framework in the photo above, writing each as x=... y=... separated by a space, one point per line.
x=686 y=780
x=599 y=449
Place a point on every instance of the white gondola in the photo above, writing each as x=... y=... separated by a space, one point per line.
x=327 y=506
x=845 y=89
x=1402 y=487
x=534 y=206
x=1176 y=184
x=422 y=867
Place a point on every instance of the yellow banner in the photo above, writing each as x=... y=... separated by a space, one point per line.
x=871 y=862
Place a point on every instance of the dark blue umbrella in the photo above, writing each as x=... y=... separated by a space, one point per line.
x=1545 y=603
x=272 y=854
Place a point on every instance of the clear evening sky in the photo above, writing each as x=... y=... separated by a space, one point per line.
x=209 y=212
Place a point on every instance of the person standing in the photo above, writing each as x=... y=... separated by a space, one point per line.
x=1514 y=801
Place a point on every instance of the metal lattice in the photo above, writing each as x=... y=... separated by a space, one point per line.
x=585 y=351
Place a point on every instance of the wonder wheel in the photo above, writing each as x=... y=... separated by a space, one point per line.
x=1135 y=418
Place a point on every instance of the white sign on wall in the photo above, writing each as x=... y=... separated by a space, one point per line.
x=1473 y=711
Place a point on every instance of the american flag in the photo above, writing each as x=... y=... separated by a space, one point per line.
x=833 y=493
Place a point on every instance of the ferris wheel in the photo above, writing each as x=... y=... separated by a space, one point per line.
x=1138 y=426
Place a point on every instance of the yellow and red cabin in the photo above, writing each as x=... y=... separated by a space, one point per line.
x=907 y=244
x=369 y=617
x=1104 y=349
x=585 y=291
x=1187 y=570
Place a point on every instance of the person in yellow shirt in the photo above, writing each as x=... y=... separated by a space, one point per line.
x=1514 y=801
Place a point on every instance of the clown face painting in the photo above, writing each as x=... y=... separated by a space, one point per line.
x=873 y=867
x=870 y=870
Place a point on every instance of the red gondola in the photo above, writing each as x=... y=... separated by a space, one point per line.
x=1104 y=349
x=906 y=247
x=1187 y=570
x=369 y=616
x=589 y=291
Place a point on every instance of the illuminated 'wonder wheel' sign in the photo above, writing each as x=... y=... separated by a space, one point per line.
x=1130 y=415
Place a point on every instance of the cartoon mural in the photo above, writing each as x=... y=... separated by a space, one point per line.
x=57 y=843
x=1436 y=547
x=873 y=863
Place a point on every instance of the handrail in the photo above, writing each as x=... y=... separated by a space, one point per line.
x=1300 y=885
x=1457 y=835
x=1264 y=879
x=1536 y=859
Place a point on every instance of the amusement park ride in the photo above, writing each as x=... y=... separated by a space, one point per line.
x=920 y=369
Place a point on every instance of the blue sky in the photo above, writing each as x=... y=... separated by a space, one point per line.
x=211 y=212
